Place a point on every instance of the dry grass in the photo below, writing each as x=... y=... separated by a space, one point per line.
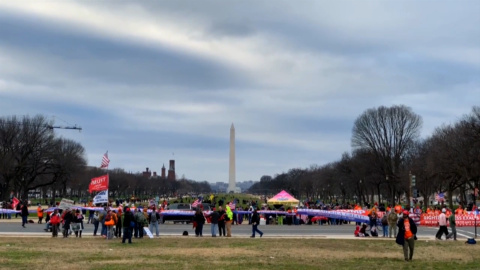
x=233 y=253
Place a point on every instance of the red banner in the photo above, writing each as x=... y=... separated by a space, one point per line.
x=98 y=183
x=463 y=220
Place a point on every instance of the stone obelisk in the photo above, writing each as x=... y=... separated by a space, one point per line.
x=231 y=168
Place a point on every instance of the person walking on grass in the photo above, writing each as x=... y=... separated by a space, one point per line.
x=255 y=223
x=442 y=222
x=407 y=230
x=451 y=220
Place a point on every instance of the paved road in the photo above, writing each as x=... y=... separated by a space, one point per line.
x=14 y=228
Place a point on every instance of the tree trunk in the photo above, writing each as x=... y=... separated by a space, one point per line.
x=450 y=197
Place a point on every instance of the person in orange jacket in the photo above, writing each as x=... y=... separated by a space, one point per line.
x=40 y=214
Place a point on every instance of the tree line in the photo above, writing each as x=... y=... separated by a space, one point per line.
x=34 y=159
x=386 y=152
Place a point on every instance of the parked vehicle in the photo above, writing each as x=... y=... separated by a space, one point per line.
x=179 y=218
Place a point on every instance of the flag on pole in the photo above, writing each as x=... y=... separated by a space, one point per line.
x=105 y=161
x=440 y=197
x=196 y=202
x=98 y=183
x=15 y=201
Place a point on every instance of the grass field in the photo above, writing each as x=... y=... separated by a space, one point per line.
x=232 y=253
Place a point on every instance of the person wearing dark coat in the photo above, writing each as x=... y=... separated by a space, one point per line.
x=221 y=221
x=255 y=223
x=24 y=214
x=199 y=219
x=407 y=230
x=127 y=226
x=214 y=216
x=67 y=220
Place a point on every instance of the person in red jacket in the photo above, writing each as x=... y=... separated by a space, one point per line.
x=55 y=222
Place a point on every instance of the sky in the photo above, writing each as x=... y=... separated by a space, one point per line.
x=150 y=81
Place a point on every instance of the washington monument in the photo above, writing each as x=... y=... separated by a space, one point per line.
x=232 y=184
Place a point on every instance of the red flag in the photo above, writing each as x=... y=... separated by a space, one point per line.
x=105 y=161
x=98 y=183
x=15 y=202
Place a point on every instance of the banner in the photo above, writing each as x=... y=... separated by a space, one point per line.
x=463 y=220
x=65 y=203
x=101 y=197
x=98 y=183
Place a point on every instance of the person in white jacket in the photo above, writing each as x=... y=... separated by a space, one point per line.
x=442 y=222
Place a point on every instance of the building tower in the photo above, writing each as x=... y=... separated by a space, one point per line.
x=164 y=176
x=171 y=170
x=232 y=185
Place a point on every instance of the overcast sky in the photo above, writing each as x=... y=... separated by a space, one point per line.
x=151 y=81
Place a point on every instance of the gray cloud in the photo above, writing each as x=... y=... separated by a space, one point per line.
x=148 y=79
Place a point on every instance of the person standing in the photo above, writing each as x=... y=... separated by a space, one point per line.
x=392 y=222
x=102 y=215
x=39 y=213
x=228 y=220
x=109 y=222
x=255 y=223
x=127 y=225
x=451 y=220
x=442 y=222
x=77 y=223
x=221 y=221
x=407 y=230
x=373 y=219
x=67 y=220
x=140 y=220
x=118 y=226
x=199 y=220
x=385 y=224
x=54 y=222
x=96 y=222
x=24 y=214
x=214 y=222
x=153 y=219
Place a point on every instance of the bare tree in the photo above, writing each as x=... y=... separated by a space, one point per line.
x=387 y=133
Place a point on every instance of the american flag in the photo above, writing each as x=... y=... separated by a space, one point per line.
x=439 y=197
x=105 y=161
x=196 y=202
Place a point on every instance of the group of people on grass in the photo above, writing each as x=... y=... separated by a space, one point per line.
x=397 y=218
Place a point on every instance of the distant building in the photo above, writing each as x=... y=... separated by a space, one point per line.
x=147 y=173
x=170 y=176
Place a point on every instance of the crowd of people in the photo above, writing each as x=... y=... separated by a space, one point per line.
x=127 y=222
